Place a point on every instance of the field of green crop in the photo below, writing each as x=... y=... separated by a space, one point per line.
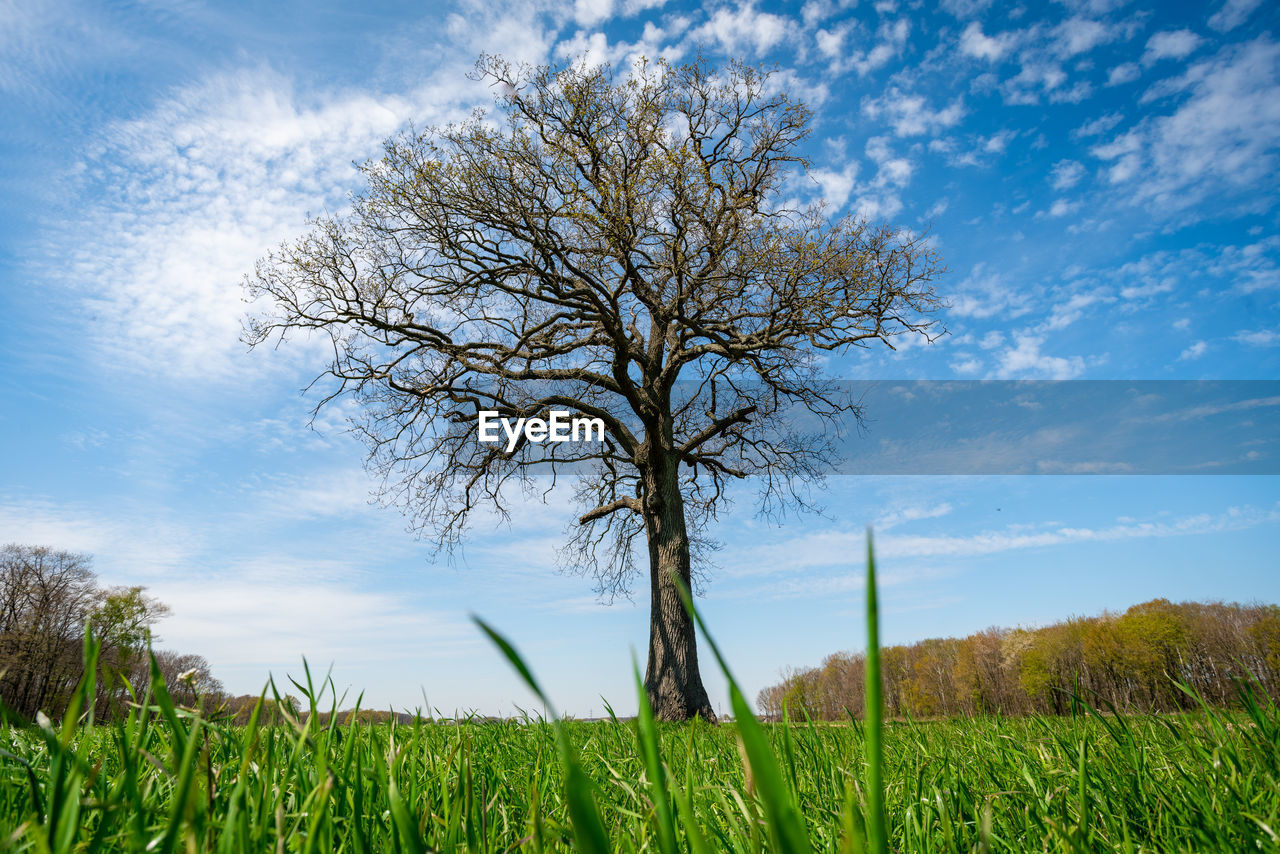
x=169 y=779
x=1194 y=783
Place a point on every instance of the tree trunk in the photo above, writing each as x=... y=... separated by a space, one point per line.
x=672 y=680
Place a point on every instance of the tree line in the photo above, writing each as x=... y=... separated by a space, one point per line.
x=48 y=600
x=1133 y=662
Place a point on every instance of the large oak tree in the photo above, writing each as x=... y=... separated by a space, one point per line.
x=625 y=247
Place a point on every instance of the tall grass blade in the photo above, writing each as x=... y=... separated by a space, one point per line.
x=877 y=833
x=588 y=830
x=786 y=827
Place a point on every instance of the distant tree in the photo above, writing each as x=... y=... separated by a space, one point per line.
x=1129 y=661
x=240 y=709
x=598 y=242
x=45 y=597
x=48 y=598
x=186 y=675
x=1264 y=635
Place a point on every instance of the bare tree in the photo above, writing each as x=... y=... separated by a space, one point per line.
x=45 y=597
x=186 y=675
x=598 y=240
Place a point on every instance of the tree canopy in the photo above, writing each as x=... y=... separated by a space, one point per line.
x=621 y=246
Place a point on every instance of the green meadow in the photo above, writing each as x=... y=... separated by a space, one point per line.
x=172 y=779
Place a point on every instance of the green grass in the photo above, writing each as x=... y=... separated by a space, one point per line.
x=169 y=780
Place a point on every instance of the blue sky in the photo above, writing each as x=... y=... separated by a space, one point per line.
x=1100 y=177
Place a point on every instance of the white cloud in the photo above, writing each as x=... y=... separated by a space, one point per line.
x=1066 y=174
x=1258 y=338
x=984 y=294
x=1232 y=14
x=254 y=624
x=836 y=186
x=816 y=11
x=892 y=37
x=1039 y=78
x=893 y=170
x=1220 y=142
x=635 y=7
x=1125 y=72
x=591 y=12
x=742 y=28
x=832 y=548
x=992 y=542
x=913 y=513
x=991 y=48
x=590 y=47
x=146 y=544
x=966 y=8
x=1074 y=307
x=1078 y=35
x=1244 y=269
x=910 y=114
x=1062 y=207
x=195 y=192
x=343 y=493
x=1147 y=277
x=831 y=42
x=1171 y=44
x=1098 y=126
x=873 y=199
x=520 y=32
x=1195 y=351
x=1026 y=361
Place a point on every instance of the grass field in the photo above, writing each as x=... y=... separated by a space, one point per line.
x=175 y=780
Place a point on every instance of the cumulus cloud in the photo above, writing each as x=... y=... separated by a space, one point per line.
x=991 y=340
x=1195 y=351
x=590 y=12
x=1219 y=142
x=737 y=30
x=1171 y=44
x=891 y=37
x=991 y=48
x=1041 y=77
x=910 y=114
x=1258 y=338
x=966 y=8
x=1232 y=14
x=1025 y=360
x=1244 y=268
x=1125 y=72
x=635 y=7
x=836 y=184
x=1097 y=126
x=1066 y=174
x=876 y=198
x=984 y=294
x=195 y=191
x=1073 y=308
x=893 y=170
x=1078 y=35
x=1062 y=207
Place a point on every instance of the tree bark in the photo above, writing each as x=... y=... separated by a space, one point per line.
x=672 y=680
